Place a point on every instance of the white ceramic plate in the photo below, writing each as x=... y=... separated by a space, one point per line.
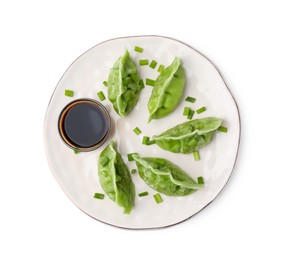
x=77 y=174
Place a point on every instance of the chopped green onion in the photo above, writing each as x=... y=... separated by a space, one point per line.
x=186 y=111
x=141 y=83
x=135 y=77
x=161 y=67
x=142 y=194
x=130 y=156
x=150 y=142
x=191 y=114
x=190 y=99
x=76 y=151
x=145 y=140
x=138 y=49
x=153 y=64
x=101 y=95
x=143 y=62
x=104 y=83
x=133 y=171
x=104 y=161
x=137 y=131
x=222 y=129
x=201 y=180
x=201 y=110
x=68 y=93
x=158 y=198
x=150 y=82
x=196 y=155
x=99 y=196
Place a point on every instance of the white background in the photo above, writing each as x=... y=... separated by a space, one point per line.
x=39 y=40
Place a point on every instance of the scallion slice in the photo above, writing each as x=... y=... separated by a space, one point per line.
x=222 y=129
x=201 y=110
x=141 y=83
x=191 y=114
x=158 y=198
x=190 y=99
x=99 y=196
x=196 y=155
x=186 y=111
x=138 y=49
x=68 y=93
x=143 y=62
x=145 y=140
x=101 y=95
x=137 y=131
x=76 y=151
x=153 y=64
x=150 y=142
x=150 y=82
x=133 y=171
x=104 y=83
x=142 y=194
x=161 y=67
x=130 y=156
x=201 y=180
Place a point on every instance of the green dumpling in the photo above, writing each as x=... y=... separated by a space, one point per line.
x=124 y=85
x=115 y=178
x=189 y=136
x=165 y=177
x=168 y=90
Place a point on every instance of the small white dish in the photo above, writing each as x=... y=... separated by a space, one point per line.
x=77 y=173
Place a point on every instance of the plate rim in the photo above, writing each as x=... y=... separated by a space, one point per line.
x=228 y=89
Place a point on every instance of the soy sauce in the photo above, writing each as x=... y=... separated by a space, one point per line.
x=84 y=124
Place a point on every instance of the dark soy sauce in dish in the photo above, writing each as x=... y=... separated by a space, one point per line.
x=84 y=125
